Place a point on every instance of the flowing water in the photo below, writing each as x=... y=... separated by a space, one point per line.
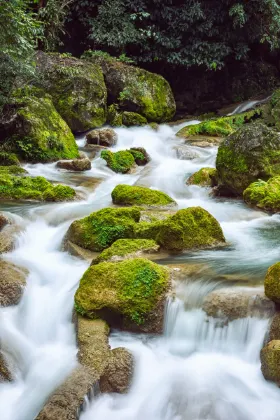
x=198 y=370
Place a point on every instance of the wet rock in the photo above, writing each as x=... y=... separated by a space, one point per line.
x=205 y=177
x=134 y=195
x=106 y=137
x=94 y=349
x=185 y=152
x=270 y=361
x=274 y=330
x=131 y=119
x=272 y=283
x=140 y=155
x=235 y=303
x=119 y=162
x=118 y=374
x=8 y=235
x=264 y=195
x=250 y=153
x=78 y=251
x=66 y=402
x=12 y=282
x=5 y=374
x=77 y=165
x=3 y=221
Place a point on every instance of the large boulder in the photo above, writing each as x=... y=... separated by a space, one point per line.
x=29 y=188
x=77 y=88
x=125 y=294
x=270 y=361
x=100 y=229
x=76 y=165
x=127 y=248
x=120 y=162
x=264 y=195
x=36 y=132
x=137 y=90
x=12 y=282
x=250 y=153
x=235 y=303
x=133 y=119
x=127 y=195
x=272 y=283
x=118 y=374
x=106 y=137
x=67 y=400
x=205 y=177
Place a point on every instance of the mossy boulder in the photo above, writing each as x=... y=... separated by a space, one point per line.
x=106 y=137
x=128 y=195
x=191 y=228
x=120 y=162
x=140 y=155
x=133 y=119
x=100 y=229
x=114 y=116
x=271 y=111
x=137 y=90
x=127 y=248
x=205 y=177
x=28 y=188
x=8 y=159
x=123 y=293
x=270 y=361
x=37 y=133
x=77 y=88
x=264 y=195
x=12 y=170
x=249 y=154
x=272 y=283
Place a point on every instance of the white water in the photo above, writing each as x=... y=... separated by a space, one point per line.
x=196 y=370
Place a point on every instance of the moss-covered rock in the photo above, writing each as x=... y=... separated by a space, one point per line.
x=8 y=159
x=127 y=248
x=265 y=195
x=123 y=292
x=252 y=152
x=272 y=283
x=133 y=119
x=205 y=177
x=120 y=162
x=133 y=195
x=190 y=228
x=114 y=116
x=102 y=137
x=100 y=229
x=28 y=188
x=140 y=155
x=270 y=361
x=271 y=111
x=12 y=170
x=77 y=88
x=37 y=133
x=137 y=90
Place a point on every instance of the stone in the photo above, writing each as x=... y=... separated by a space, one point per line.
x=185 y=152
x=106 y=137
x=205 y=177
x=140 y=155
x=118 y=374
x=264 y=195
x=8 y=235
x=270 y=361
x=272 y=283
x=131 y=119
x=77 y=165
x=12 y=282
x=135 y=195
x=119 y=162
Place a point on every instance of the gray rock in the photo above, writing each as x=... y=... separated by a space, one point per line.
x=102 y=137
x=118 y=374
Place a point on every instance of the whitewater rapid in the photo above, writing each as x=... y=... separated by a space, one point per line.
x=197 y=370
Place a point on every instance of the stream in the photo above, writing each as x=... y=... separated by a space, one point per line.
x=197 y=370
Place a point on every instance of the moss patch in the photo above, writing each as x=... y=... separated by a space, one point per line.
x=205 y=177
x=130 y=288
x=100 y=229
x=125 y=247
x=272 y=283
x=265 y=195
x=270 y=361
x=133 y=119
x=27 y=188
x=8 y=159
x=120 y=162
x=134 y=195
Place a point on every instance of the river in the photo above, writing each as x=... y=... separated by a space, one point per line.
x=197 y=370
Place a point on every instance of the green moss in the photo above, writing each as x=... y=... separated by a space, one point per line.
x=133 y=119
x=100 y=229
x=190 y=228
x=124 y=247
x=272 y=283
x=8 y=159
x=114 y=117
x=40 y=134
x=265 y=195
x=134 y=195
x=270 y=361
x=12 y=170
x=120 y=162
x=131 y=288
x=28 y=188
x=205 y=177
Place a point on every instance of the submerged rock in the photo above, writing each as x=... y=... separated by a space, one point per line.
x=125 y=294
x=235 y=303
x=118 y=374
x=185 y=152
x=120 y=162
x=106 y=137
x=12 y=282
x=252 y=152
x=205 y=177
x=270 y=361
x=127 y=248
x=77 y=88
x=67 y=400
x=133 y=195
x=264 y=195
x=76 y=165
x=272 y=283
x=36 y=132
